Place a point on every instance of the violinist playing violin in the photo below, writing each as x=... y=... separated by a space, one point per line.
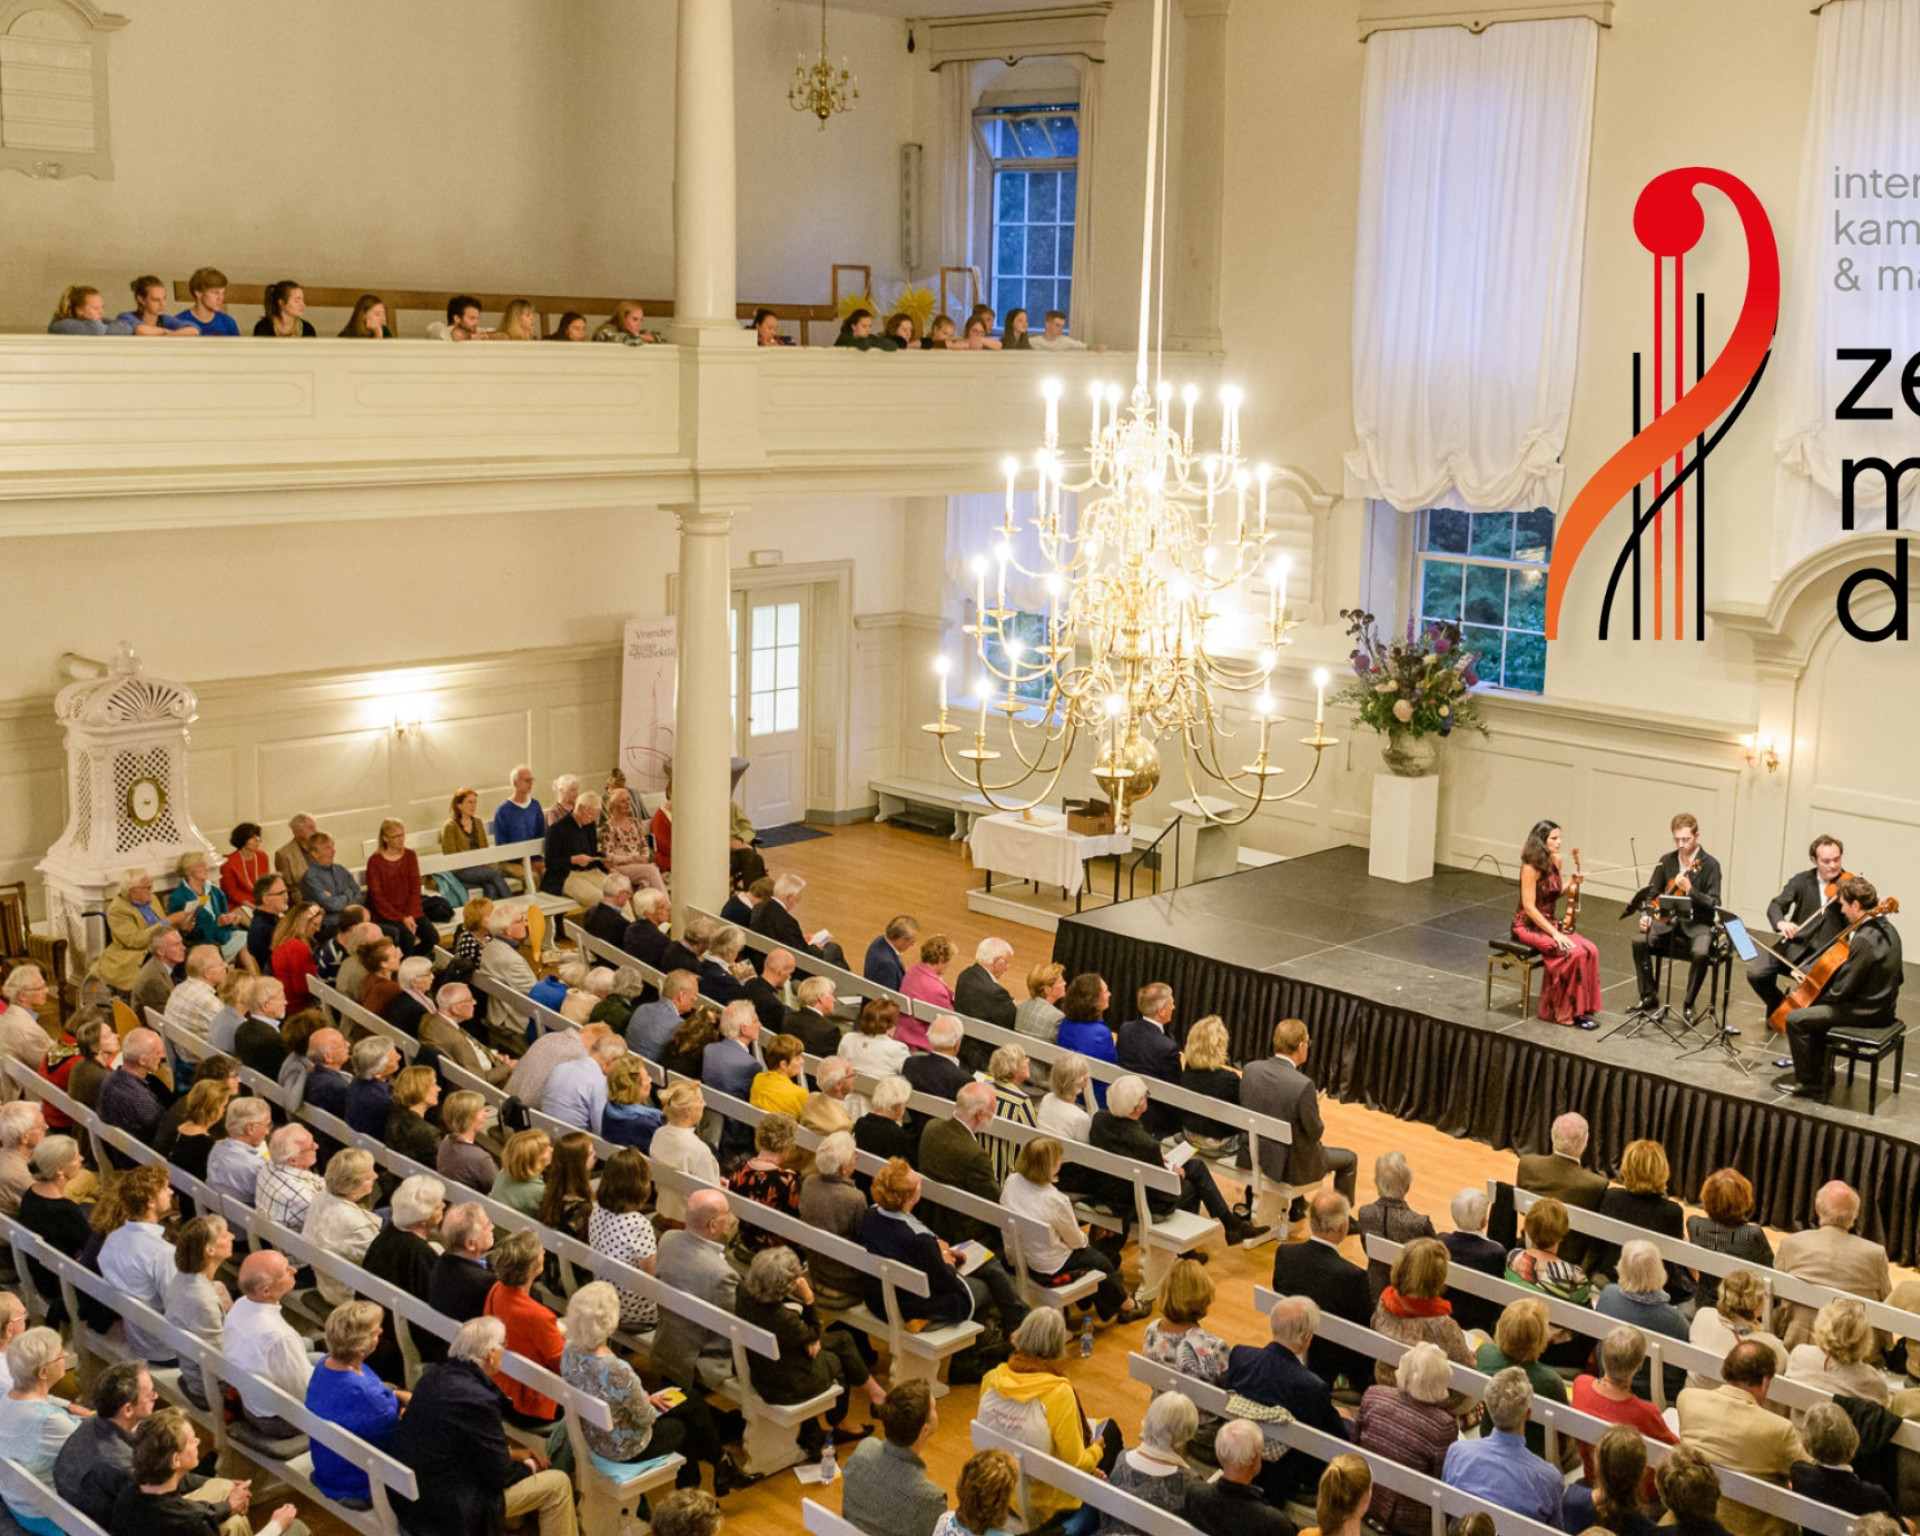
x=1863 y=991
x=1688 y=871
x=1806 y=915
x=1571 y=992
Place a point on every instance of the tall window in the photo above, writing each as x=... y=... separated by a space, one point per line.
x=1035 y=153
x=1487 y=572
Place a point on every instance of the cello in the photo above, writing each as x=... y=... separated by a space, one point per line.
x=1814 y=978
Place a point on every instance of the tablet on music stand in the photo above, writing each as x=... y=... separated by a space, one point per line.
x=1743 y=944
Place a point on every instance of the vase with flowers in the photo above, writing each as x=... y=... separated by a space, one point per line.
x=1415 y=692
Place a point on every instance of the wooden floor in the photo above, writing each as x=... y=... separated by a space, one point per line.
x=860 y=877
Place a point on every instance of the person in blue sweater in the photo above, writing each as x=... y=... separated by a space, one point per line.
x=1083 y=1025
x=519 y=819
x=207 y=314
x=883 y=963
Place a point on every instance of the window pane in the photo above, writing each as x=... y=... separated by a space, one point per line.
x=1069 y=193
x=1526 y=662
x=762 y=665
x=762 y=628
x=1533 y=535
x=760 y=714
x=1042 y=247
x=1492 y=536
x=1485 y=644
x=1486 y=601
x=1043 y=197
x=1447 y=531
x=1010 y=249
x=1063 y=294
x=1440 y=590
x=1065 y=133
x=787 y=712
x=1527 y=601
x=786 y=671
x=1065 y=266
x=789 y=623
x=1011 y=195
x=1007 y=294
x=1031 y=136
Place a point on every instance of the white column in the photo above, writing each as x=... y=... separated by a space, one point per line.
x=1193 y=284
x=703 y=168
x=703 y=731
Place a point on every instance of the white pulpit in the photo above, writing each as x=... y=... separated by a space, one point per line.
x=1208 y=848
x=1406 y=817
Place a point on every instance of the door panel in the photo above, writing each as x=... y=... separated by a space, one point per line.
x=771 y=708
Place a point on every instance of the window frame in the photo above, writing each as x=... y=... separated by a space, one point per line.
x=1421 y=553
x=995 y=166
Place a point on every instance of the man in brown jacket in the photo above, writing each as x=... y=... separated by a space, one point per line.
x=1830 y=1254
x=1560 y=1175
x=1734 y=1429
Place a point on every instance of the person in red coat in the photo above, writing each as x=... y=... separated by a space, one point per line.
x=293 y=960
x=246 y=864
x=393 y=892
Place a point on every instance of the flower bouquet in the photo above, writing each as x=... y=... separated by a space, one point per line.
x=1412 y=690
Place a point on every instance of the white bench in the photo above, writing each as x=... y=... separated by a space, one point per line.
x=432 y=862
x=900 y=798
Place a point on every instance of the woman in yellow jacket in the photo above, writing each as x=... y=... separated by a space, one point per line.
x=1027 y=1399
x=133 y=917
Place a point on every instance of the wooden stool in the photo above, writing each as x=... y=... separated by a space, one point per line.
x=1508 y=955
x=1872 y=1045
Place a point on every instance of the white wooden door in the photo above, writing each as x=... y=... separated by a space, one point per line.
x=769 y=634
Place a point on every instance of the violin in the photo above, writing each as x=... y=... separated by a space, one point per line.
x=1814 y=978
x=1682 y=883
x=1572 y=920
x=1831 y=892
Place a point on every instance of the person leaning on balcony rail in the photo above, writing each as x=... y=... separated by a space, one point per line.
x=368 y=322
x=629 y=325
x=286 y=305
x=82 y=312
x=207 y=314
x=149 y=313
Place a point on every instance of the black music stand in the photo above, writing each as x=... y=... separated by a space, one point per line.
x=1639 y=1019
x=1720 y=1036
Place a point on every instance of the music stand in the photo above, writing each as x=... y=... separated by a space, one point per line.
x=1639 y=1019
x=1720 y=953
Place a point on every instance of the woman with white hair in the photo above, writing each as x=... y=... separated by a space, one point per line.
x=882 y=1130
x=775 y=1295
x=1009 y=1069
x=1615 y=1394
x=1840 y=1357
x=830 y=1201
x=1411 y=1423
x=677 y=1145
x=343 y=1391
x=1638 y=1296
x=414 y=1001
x=566 y=795
x=133 y=918
x=339 y=1221
x=645 y=1425
x=1388 y=1215
x=33 y=1426
x=1156 y=1470
x=1028 y=1399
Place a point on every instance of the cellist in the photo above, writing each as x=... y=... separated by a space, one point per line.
x=1806 y=915
x=1864 y=991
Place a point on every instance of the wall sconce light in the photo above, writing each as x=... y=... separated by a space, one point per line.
x=1760 y=750
x=408 y=717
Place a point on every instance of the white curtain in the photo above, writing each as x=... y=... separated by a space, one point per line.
x=1865 y=118
x=956 y=164
x=1466 y=294
x=973 y=528
x=1079 y=308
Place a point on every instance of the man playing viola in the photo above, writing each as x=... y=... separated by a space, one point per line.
x=1688 y=871
x=1864 y=991
x=1806 y=915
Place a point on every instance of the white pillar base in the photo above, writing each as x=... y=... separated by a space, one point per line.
x=1406 y=815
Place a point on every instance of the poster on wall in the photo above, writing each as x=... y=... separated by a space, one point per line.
x=646 y=704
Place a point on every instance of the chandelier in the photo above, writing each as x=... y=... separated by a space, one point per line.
x=820 y=88
x=1148 y=592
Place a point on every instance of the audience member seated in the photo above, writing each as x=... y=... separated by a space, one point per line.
x=404 y=1253
x=22 y=1127
x=370 y=1095
x=1499 y=1467
x=1038 y=1013
x=952 y=1153
x=343 y=1390
x=1156 y=1470
x=1827 y=1474
x=1643 y=1202
x=765 y=991
x=1054 y=338
x=1062 y=1112
x=519 y=818
x=1389 y=1215
x=677 y=1145
x=1143 y=1047
x=883 y=1130
x=576 y=1092
x=522 y=1183
x=1613 y=1395
x=1319 y=1271
x=781 y=1088
x=153 y=983
x=532 y=1330
x=1013 y=332
x=528 y=1081
x=49 y=1210
x=1733 y=1319
x=628 y=325
x=246 y=864
x=1208 y=1071
x=191 y=1147
x=325 y=1085
x=288 y=1183
x=645 y=1425
x=826 y=1108
x=1117 y=1129
x=1279 y=1086
x=380 y=959
x=857 y=332
x=1008 y=1070
x=607 y=919
x=453 y=1435
x=133 y=918
x=830 y=1201
x=1830 y=1254
x=1414 y=1309
x=728 y=1065
x=95 y=1463
x=33 y=1426
x=414 y=1001
x=1559 y=1175
x=646 y=936
x=207 y=313
x=286 y=306
x=774 y=920
x=257 y=1340
x=1636 y=1298
x=1727 y=1227
x=338 y=1219
x=885 y=964
x=886 y=1490
x=892 y=1232
x=567 y=1199
x=1469 y=1247
x=937 y=1072
x=166 y=1449
x=23 y=994
x=461 y=1280
x=257 y=1042
x=237 y=1160
x=135 y=1256
x=197 y=999
x=977 y=990
x=574 y=868
x=393 y=892
x=775 y=1295
x=1410 y=1422
x=869 y=1047
x=1032 y=1190
x=470 y=933
x=693 y=1259
x=623 y=846
x=923 y=983
x=408 y=1131
x=213 y=920
x=82 y=312
x=271 y=898
x=1027 y=1399
x=630 y=1118
x=1176 y=1340
x=1837 y=1358
x=939 y=337
x=1537 y=1262
x=328 y=885
x=1618 y=1487
x=462 y=324
x=459 y=1157
x=1732 y=1426
x=813 y=1019
x=1232 y=1504
x=618 y=1229
x=1519 y=1339
x=350 y=978
x=149 y=313
x=368 y=322
x=1278 y=1376
x=771 y=1176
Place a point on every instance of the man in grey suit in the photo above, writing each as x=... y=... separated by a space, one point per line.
x=694 y=1260
x=1279 y=1086
x=1560 y=1175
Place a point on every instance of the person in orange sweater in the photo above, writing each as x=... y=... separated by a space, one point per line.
x=532 y=1329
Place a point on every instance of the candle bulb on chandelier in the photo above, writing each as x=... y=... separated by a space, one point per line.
x=985 y=690
x=1001 y=555
x=1281 y=568
x=1188 y=395
x=1051 y=389
x=1266 y=473
x=1093 y=393
x=1012 y=467
x=941 y=666
x=980 y=593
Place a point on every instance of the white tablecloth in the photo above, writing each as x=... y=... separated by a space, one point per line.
x=1042 y=850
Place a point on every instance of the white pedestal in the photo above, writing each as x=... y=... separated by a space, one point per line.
x=1406 y=814
x=1208 y=849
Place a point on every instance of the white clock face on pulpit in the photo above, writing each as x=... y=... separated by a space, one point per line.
x=146 y=799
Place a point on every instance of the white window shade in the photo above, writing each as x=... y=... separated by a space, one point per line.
x=1466 y=295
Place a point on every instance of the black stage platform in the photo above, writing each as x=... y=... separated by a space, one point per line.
x=1391 y=979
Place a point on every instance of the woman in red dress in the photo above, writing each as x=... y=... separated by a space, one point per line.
x=1571 y=993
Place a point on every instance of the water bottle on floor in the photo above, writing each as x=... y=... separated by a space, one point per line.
x=829 y=1468
x=1086 y=1336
